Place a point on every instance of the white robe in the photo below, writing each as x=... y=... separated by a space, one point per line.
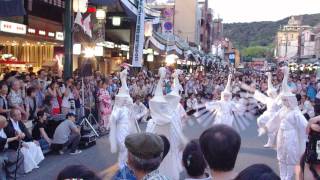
x=139 y=111
x=273 y=106
x=32 y=156
x=122 y=125
x=224 y=111
x=171 y=165
x=291 y=139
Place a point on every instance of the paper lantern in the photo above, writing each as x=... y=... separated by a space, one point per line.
x=77 y=49
x=148 y=29
x=101 y=14
x=116 y=21
x=150 y=58
x=98 y=51
x=80 y=6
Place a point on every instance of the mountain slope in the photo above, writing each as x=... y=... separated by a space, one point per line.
x=261 y=33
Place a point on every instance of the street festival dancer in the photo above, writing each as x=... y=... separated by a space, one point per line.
x=121 y=121
x=166 y=120
x=273 y=103
x=225 y=111
x=291 y=126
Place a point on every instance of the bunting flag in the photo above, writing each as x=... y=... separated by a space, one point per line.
x=87 y=26
x=10 y=8
x=78 y=19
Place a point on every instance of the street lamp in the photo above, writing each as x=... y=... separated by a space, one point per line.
x=80 y=6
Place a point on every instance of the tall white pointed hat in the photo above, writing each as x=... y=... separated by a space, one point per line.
x=271 y=89
x=158 y=95
x=176 y=84
x=227 y=89
x=159 y=107
x=286 y=91
x=124 y=90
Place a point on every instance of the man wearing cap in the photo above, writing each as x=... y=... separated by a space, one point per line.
x=67 y=134
x=145 y=151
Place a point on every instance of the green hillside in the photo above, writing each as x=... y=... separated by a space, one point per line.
x=245 y=35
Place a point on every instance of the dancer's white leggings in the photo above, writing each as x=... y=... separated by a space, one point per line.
x=286 y=171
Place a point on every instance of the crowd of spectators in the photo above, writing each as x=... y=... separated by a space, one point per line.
x=28 y=100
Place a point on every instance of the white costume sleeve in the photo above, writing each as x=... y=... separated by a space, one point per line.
x=274 y=123
x=142 y=111
x=301 y=126
x=212 y=105
x=261 y=97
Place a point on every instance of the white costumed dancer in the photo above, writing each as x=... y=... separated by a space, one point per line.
x=273 y=103
x=224 y=111
x=291 y=126
x=121 y=122
x=166 y=120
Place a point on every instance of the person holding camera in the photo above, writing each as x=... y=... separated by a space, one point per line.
x=68 y=101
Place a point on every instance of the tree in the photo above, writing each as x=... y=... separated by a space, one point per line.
x=258 y=51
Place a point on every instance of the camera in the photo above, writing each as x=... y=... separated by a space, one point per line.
x=313 y=148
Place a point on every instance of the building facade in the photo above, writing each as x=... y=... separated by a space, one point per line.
x=317 y=46
x=307 y=43
x=185 y=20
x=287 y=40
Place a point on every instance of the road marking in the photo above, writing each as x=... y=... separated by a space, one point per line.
x=109 y=172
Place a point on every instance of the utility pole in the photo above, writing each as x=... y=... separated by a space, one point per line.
x=286 y=54
x=67 y=67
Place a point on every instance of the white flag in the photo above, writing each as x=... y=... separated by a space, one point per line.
x=78 y=19
x=87 y=26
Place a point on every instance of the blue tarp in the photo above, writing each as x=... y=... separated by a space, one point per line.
x=10 y=8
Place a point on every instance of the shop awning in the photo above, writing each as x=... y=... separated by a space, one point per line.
x=167 y=43
x=132 y=10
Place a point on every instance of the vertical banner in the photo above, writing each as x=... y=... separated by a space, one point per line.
x=139 y=36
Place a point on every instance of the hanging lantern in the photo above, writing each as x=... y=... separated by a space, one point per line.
x=80 y=6
x=116 y=21
x=150 y=58
x=101 y=14
x=148 y=29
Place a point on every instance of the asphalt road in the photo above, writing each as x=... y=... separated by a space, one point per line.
x=100 y=159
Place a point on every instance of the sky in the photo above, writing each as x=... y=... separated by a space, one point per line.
x=262 y=10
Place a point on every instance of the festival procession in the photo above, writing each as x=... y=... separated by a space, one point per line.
x=159 y=90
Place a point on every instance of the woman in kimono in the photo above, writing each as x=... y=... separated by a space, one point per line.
x=273 y=103
x=121 y=122
x=105 y=106
x=291 y=126
x=166 y=114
